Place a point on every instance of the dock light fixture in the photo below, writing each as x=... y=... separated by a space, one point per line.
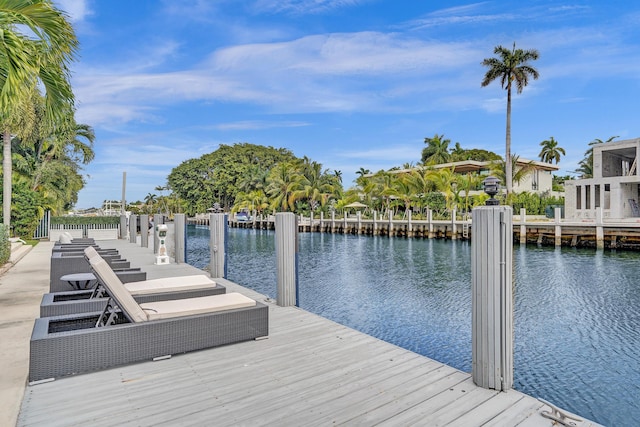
x=491 y=185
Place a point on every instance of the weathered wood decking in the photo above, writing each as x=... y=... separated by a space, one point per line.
x=310 y=371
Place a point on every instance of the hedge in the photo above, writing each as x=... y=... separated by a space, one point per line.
x=5 y=244
x=85 y=220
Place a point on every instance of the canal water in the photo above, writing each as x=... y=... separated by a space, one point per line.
x=577 y=312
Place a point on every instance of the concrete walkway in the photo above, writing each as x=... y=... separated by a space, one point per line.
x=21 y=290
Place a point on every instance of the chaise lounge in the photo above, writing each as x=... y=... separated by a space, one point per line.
x=84 y=301
x=127 y=332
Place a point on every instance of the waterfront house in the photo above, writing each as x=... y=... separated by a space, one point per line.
x=614 y=186
x=539 y=180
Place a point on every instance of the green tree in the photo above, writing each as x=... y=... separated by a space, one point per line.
x=362 y=172
x=219 y=176
x=38 y=57
x=477 y=154
x=518 y=170
x=550 y=151
x=285 y=186
x=511 y=66
x=436 y=151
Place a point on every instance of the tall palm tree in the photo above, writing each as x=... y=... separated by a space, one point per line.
x=436 y=151
x=511 y=66
x=551 y=151
x=40 y=58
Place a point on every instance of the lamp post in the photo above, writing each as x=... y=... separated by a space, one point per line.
x=491 y=186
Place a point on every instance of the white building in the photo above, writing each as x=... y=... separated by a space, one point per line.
x=539 y=180
x=614 y=186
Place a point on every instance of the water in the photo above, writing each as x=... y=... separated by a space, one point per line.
x=577 y=312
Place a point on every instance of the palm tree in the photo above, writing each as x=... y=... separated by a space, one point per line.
x=550 y=151
x=511 y=66
x=362 y=172
x=26 y=61
x=446 y=182
x=518 y=170
x=285 y=182
x=436 y=151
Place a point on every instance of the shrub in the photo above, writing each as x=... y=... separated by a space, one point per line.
x=5 y=244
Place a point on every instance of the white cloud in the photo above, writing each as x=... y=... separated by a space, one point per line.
x=303 y=7
x=257 y=124
x=78 y=10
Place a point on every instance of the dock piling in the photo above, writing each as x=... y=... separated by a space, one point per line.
x=492 y=298
x=218 y=245
x=287 y=258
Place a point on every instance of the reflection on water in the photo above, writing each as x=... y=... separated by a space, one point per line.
x=577 y=312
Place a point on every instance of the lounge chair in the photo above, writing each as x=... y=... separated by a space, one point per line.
x=63 y=263
x=127 y=332
x=59 y=303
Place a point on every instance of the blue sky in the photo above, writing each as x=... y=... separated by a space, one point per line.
x=348 y=83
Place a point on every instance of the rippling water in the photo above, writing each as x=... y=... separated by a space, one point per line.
x=577 y=312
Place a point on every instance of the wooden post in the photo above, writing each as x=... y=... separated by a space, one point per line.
x=454 y=228
x=390 y=223
x=180 y=235
x=375 y=223
x=409 y=225
x=144 y=231
x=523 y=227
x=430 y=223
x=133 y=228
x=287 y=258
x=344 y=227
x=218 y=229
x=359 y=217
x=311 y=222
x=492 y=297
x=321 y=222
x=558 y=228
x=123 y=226
x=599 y=229
x=333 y=221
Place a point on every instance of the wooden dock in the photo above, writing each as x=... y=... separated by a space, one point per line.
x=310 y=371
x=623 y=234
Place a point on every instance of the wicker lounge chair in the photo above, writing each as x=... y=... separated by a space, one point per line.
x=127 y=332
x=63 y=263
x=59 y=303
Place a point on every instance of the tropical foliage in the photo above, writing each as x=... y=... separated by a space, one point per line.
x=510 y=66
x=38 y=44
x=436 y=151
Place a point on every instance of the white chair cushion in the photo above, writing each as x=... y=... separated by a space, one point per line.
x=91 y=252
x=170 y=284
x=191 y=306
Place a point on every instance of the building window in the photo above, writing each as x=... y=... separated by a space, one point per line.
x=587 y=198
x=607 y=196
x=578 y=197
x=597 y=190
x=534 y=180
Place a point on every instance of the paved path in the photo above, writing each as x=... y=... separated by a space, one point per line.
x=21 y=289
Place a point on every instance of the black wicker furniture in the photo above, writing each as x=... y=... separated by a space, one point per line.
x=127 y=332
